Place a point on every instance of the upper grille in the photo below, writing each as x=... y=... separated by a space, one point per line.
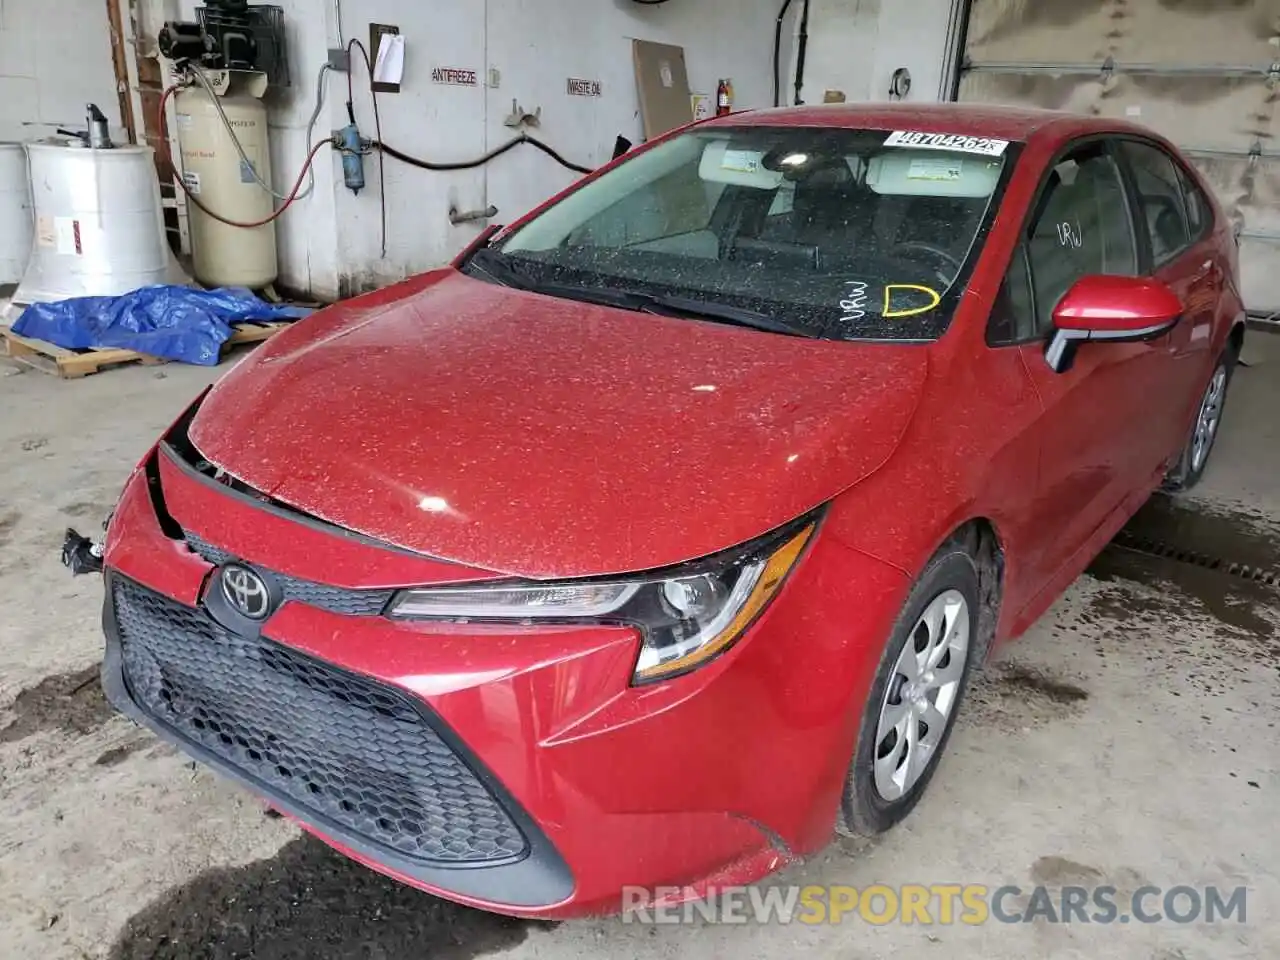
x=353 y=751
x=215 y=555
x=359 y=603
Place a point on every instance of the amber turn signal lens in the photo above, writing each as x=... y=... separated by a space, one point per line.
x=767 y=584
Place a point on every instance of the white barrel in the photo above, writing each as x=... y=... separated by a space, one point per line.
x=213 y=170
x=99 y=228
x=15 y=213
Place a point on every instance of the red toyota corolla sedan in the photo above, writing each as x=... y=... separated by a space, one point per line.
x=658 y=536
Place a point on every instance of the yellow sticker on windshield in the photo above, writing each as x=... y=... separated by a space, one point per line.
x=903 y=299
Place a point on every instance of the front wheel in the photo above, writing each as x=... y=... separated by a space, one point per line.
x=1189 y=469
x=915 y=697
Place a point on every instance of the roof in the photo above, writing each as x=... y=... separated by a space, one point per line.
x=1005 y=123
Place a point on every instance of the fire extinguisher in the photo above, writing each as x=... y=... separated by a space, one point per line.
x=724 y=98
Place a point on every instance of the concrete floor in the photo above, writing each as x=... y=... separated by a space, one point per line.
x=1130 y=738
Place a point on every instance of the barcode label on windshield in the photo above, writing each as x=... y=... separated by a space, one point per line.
x=741 y=161
x=947 y=141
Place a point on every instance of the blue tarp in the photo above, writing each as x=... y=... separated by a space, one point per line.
x=179 y=323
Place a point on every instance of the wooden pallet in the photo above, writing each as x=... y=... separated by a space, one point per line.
x=73 y=364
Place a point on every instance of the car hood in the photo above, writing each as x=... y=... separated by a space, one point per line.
x=542 y=437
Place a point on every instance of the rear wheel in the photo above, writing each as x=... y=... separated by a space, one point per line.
x=917 y=691
x=1191 y=464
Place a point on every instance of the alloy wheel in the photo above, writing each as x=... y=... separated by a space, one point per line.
x=1208 y=419
x=921 y=694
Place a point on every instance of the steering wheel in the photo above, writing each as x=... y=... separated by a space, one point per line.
x=950 y=264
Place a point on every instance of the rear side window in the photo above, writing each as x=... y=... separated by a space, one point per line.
x=1160 y=199
x=1199 y=209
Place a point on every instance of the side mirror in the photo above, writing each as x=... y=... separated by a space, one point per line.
x=1108 y=308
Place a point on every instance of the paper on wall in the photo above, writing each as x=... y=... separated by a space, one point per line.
x=389 y=65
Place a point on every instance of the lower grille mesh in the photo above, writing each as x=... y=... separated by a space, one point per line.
x=356 y=753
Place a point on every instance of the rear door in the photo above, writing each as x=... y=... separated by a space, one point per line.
x=1175 y=227
x=1096 y=445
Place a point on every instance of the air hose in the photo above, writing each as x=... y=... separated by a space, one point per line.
x=197 y=202
x=483 y=159
x=384 y=147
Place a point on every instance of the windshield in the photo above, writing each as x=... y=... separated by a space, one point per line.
x=833 y=233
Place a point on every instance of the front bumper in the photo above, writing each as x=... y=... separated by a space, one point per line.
x=579 y=782
x=368 y=765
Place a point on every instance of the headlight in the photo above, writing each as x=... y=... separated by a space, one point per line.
x=687 y=615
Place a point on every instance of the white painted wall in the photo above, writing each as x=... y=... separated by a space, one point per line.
x=440 y=123
x=536 y=47
x=856 y=45
x=306 y=237
x=720 y=40
x=55 y=56
x=330 y=242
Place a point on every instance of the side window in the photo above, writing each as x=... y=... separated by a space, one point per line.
x=1081 y=227
x=1013 y=313
x=1022 y=305
x=1199 y=209
x=1159 y=198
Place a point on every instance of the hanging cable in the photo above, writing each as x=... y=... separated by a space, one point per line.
x=801 y=48
x=288 y=200
x=777 y=52
x=483 y=159
x=235 y=139
x=377 y=126
x=311 y=124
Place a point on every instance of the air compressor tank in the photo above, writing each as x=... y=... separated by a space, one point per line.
x=15 y=213
x=213 y=170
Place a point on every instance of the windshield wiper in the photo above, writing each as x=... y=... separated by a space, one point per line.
x=604 y=296
x=497 y=267
x=669 y=306
x=715 y=312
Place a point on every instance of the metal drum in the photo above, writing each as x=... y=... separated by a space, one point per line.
x=15 y=213
x=99 y=228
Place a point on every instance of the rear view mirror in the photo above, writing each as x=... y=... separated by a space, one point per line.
x=1109 y=308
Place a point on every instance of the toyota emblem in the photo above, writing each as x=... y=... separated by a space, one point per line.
x=246 y=592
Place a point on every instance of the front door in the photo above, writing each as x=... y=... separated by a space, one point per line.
x=1097 y=445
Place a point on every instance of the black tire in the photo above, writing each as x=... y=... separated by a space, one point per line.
x=1186 y=473
x=864 y=811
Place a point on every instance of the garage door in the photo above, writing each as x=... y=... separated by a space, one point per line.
x=1205 y=73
